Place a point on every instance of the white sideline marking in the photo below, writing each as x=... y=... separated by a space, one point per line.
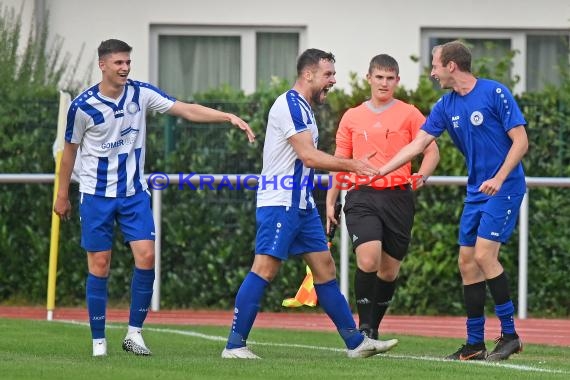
x=519 y=367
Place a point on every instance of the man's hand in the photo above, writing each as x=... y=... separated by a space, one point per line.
x=62 y=207
x=363 y=166
x=331 y=217
x=491 y=186
x=417 y=180
x=333 y=221
x=238 y=122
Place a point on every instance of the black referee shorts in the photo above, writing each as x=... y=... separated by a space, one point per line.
x=386 y=215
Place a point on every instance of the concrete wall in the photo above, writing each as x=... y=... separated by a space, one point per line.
x=353 y=30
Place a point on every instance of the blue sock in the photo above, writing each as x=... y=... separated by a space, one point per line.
x=141 y=294
x=248 y=299
x=96 y=295
x=475 y=330
x=334 y=304
x=505 y=313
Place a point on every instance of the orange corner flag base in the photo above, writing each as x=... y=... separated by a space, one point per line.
x=306 y=295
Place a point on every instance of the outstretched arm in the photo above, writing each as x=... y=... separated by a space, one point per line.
x=332 y=196
x=201 y=114
x=313 y=158
x=428 y=165
x=408 y=152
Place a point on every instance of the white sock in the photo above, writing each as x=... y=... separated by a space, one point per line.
x=133 y=330
x=99 y=341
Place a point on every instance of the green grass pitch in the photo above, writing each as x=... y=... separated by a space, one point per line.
x=62 y=350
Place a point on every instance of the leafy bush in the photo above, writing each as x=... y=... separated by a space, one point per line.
x=30 y=76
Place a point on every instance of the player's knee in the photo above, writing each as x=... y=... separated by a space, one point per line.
x=388 y=275
x=368 y=265
x=266 y=273
x=100 y=267
x=487 y=262
x=368 y=261
x=266 y=267
x=478 y=258
x=145 y=259
x=324 y=271
x=466 y=263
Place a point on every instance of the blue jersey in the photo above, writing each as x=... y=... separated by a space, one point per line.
x=285 y=181
x=478 y=124
x=112 y=134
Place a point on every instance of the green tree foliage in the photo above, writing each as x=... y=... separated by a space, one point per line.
x=548 y=114
x=29 y=75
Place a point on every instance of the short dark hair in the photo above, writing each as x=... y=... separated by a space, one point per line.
x=384 y=61
x=457 y=52
x=312 y=57
x=113 y=46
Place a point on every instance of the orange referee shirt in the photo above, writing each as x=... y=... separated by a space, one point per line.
x=387 y=129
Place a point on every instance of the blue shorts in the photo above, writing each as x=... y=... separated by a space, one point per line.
x=287 y=231
x=98 y=215
x=494 y=219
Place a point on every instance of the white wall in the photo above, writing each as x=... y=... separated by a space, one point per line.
x=353 y=30
x=27 y=9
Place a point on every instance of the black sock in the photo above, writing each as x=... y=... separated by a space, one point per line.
x=364 y=289
x=504 y=308
x=384 y=293
x=499 y=288
x=474 y=296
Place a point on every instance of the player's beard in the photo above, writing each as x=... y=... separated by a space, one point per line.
x=320 y=97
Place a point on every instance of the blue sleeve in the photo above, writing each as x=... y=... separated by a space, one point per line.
x=436 y=122
x=507 y=108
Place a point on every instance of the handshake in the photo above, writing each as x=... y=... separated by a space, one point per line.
x=367 y=174
x=363 y=167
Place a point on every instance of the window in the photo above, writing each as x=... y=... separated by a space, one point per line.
x=541 y=54
x=276 y=56
x=190 y=59
x=546 y=56
x=190 y=64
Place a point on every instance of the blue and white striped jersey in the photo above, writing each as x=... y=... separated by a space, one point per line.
x=112 y=134
x=284 y=180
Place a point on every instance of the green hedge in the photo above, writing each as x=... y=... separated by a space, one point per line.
x=208 y=236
